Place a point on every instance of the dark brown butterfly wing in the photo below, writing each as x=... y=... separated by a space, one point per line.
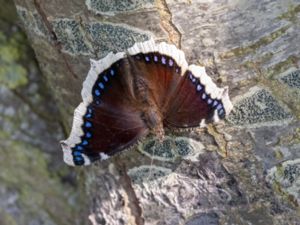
x=111 y=123
x=139 y=91
x=192 y=104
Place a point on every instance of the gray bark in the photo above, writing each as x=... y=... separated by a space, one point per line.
x=242 y=171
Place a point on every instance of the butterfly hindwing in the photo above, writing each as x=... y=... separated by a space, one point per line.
x=192 y=103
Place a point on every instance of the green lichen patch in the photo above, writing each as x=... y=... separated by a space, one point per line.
x=242 y=51
x=69 y=34
x=40 y=193
x=114 y=37
x=155 y=149
x=290 y=139
x=183 y=148
x=7 y=12
x=285 y=178
x=86 y=39
x=6 y=218
x=258 y=61
x=291 y=14
x=114 y=6
x=291 y=78
x=258 y=108
x=188 y=148
x=12 y=73
x=289 y=81
x=147 y=173
x=171 y=148
x=282 y=66
x=32 y=22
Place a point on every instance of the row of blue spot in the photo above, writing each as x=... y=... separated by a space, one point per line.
x=100 y=85
x=79 y=148
x=158 y=58
x=212 y=102
x=87 y=125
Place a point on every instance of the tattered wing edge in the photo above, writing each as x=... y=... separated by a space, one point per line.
x=163 y=48
x=97 y=67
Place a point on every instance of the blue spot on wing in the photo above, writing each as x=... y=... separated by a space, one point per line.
x=78 y=160
x=79 y=148
x=88 y=124
x=105 y=78
x=209 y=101
x=112 y=72
x=219 y=106
x=88 y=134
x=221 y=113
x=215 y=103
x=76 y=153
x=85 y=142
x=97 y=92
x=89 y=115
x=199 y=87
x=101 y=85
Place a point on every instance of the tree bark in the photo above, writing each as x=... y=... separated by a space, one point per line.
x=224 y=174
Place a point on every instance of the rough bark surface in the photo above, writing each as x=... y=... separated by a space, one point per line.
x=35 y=185
x=243 y=171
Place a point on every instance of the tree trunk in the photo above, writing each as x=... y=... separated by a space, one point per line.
x=242 y=171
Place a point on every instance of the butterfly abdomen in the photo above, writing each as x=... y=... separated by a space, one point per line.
x=150 y=112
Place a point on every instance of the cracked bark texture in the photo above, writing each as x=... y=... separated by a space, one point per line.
x=245 y=170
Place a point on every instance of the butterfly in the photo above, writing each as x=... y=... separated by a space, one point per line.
x=143 y=90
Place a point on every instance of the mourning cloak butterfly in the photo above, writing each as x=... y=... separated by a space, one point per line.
x=130 y=94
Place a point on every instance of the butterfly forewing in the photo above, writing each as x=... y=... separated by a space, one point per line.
x=112 y=121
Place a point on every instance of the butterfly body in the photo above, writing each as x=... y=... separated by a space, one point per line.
x=129 y=95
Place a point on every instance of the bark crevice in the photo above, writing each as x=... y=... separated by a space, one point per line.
x=53 y=36
x=133 y=203
x=167 y=23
